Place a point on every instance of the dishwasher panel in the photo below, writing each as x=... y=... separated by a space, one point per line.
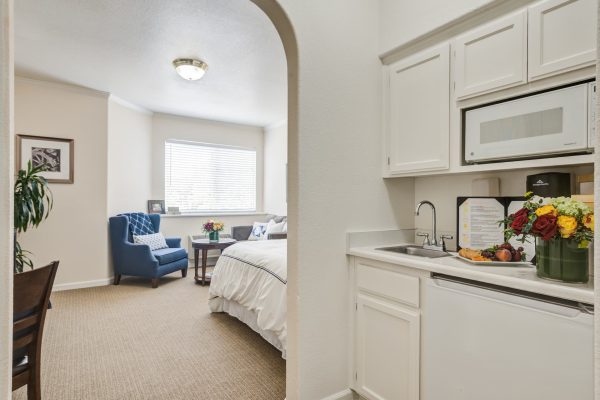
x=481 y=343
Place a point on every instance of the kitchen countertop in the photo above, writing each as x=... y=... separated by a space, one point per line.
x=522 y=278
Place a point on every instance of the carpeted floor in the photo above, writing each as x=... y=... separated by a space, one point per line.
x=133 y=342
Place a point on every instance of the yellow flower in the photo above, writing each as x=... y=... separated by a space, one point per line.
x=566 y=225
x=588 y=221
x=547 y=209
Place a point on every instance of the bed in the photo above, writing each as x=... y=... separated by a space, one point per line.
x=249 y=283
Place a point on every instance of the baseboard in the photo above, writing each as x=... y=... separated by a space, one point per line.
x=81 y=285
x=346 y=394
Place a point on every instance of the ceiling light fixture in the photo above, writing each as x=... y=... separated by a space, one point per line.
x=190 y=69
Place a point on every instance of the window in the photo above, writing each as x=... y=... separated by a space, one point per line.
x=207 y=178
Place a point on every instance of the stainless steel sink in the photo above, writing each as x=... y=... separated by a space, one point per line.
x=414 y=250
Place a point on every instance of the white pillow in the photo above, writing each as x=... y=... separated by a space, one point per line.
x=156 y=241
x=259 y=230
x=274 y=227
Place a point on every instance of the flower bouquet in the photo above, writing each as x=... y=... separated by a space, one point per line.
x=213 y=228
x=562 y=228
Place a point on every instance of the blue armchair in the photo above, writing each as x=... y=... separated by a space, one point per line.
x=137 y=259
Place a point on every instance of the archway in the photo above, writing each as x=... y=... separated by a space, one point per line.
x=286 y=32
x=284 y=27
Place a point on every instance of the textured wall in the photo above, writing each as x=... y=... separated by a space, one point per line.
x=335 y=182
x=129 y=161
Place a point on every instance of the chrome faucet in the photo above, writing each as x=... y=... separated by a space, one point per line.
x=432 y=243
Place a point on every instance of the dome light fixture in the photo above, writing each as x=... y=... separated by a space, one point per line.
x=190 y=69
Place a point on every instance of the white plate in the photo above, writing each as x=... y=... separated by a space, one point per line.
x=497 y=263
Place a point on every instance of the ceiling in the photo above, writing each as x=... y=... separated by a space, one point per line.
x=126 y=48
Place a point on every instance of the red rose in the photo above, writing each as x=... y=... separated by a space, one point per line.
x=520 y=219
x=545 y=226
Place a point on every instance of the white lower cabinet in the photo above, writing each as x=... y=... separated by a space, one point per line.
x=387 y=338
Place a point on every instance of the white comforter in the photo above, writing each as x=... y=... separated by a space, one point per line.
x=254 y=274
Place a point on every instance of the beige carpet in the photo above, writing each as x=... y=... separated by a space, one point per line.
x=133 y=342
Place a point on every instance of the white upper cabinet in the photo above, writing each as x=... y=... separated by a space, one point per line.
x=562 y=36
x=417 y=112
x=491 y=57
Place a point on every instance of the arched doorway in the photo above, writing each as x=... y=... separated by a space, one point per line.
x=277 y=15
x=286 y=32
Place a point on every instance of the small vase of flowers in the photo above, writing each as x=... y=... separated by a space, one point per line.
x=562 y=228
x=212 y=228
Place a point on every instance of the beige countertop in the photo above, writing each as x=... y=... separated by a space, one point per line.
x=522 y=278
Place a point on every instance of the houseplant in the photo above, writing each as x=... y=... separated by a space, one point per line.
x=213 y=228
x=32 y=204
x=562 y=229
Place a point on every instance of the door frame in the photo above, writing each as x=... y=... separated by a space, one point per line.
x=6 y=194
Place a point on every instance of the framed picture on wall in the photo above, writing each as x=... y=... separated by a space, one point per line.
x=156 y=206
x=56 y=154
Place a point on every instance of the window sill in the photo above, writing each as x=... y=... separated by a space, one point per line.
x=197 y=215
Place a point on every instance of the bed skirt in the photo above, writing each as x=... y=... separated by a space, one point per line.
x=248 y=317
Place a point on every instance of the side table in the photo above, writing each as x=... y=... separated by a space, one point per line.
x=205 y=245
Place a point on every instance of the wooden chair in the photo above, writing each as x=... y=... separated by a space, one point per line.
x=31 y=295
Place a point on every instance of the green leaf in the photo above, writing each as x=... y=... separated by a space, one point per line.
x=32 y=204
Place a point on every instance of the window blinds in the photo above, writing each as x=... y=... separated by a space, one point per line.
x=206 y=178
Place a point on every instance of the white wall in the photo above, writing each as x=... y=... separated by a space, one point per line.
x=129 y=162
x=402 y=21
x=339 y=184
x=442 y=191
x=275 y=166
x=76 y=231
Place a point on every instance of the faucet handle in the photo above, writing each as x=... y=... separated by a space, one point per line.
x=444 y=237
x=426 y=241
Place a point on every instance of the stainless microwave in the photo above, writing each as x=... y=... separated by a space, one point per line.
x=556 y=122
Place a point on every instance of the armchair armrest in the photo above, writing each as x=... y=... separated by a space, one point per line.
x=241 y=232
x=136 y=258
x=173 y=242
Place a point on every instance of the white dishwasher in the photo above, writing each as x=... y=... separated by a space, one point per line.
x=485 y=342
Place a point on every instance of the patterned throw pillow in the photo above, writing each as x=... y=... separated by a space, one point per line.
x=259 y=231
x=140 y=223
x=156 y=241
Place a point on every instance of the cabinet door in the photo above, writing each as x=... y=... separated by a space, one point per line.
x=562 y=36
x=491 y=57
x=387 y=350
x=418 y=123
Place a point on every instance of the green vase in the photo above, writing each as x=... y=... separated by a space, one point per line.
x=213 y=236
x=562 y=260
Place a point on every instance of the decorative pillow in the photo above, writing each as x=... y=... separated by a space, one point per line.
x=140 y=223
x=276 y=227
x=259 y=231
x=156 y=241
